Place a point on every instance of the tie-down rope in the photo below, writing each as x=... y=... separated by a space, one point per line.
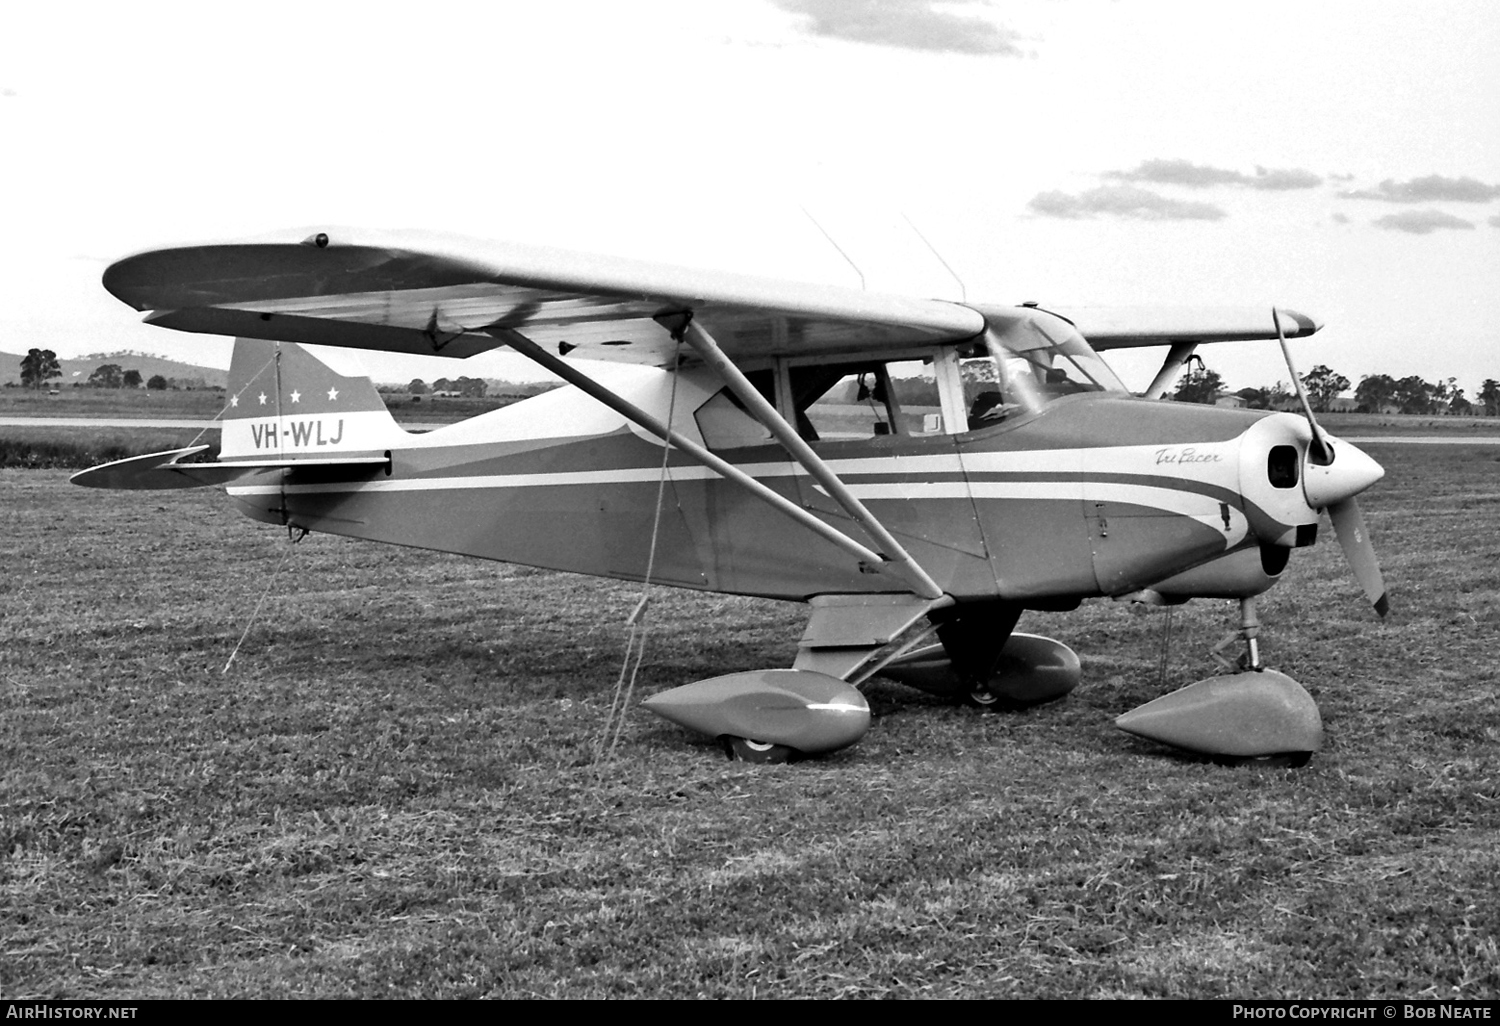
x=638 y=621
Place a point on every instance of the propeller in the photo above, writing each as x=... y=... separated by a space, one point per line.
x=1319 y=449
x=1334 y=489
x=1349 y=528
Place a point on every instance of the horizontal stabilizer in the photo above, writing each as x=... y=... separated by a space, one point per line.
x=163 y=470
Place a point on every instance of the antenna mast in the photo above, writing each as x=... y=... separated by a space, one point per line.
x=835 y=245
x=963 y=292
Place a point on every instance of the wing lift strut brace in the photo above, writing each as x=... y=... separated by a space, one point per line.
x=1176 y=359
x=893 y=558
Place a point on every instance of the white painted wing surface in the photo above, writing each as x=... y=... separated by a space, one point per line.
x=423 y=293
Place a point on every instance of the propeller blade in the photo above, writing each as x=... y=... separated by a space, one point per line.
x=1319 y=449
x=1349 y=526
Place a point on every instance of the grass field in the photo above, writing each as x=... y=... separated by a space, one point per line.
x=391 y=792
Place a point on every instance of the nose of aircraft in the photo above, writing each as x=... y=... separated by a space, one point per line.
x=1333 y=473
x=1289 y=474
x=1348 y=473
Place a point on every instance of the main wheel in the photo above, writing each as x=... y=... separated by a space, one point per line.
x=978 y=696
x=743 y=749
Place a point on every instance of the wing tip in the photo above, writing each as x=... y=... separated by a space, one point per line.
x=1305 y=324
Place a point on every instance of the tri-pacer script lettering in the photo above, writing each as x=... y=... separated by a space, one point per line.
x=1186 y=454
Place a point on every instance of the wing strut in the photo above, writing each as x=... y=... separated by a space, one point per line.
x=1171 y=367
x=573 y=376
x=821 y=472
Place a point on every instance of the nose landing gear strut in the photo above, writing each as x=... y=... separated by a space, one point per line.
x=1249 y=633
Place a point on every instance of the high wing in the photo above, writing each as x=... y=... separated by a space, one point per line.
x=430 y=294
x=1127 y=327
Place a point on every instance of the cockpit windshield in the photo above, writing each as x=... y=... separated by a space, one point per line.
x=1039 y=359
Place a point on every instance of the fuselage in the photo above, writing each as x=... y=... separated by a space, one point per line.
x=1093 y=494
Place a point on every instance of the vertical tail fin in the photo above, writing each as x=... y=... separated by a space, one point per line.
x=285 y=403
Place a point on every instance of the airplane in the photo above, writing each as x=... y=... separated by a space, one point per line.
x=918 y=472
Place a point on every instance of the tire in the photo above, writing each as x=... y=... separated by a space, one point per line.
x=743 y=749
x=1280 y=760
x=980 y=697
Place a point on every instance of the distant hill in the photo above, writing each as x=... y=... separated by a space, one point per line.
x=78 y=368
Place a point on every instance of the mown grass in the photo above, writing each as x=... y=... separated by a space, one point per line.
x=392 y=790
x=78 y=448
x=140 y=403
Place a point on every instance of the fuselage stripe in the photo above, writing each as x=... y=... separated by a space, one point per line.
x=1151 y=491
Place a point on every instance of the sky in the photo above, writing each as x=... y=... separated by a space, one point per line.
x=1339 y=158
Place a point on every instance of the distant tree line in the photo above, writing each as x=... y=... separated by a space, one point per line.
x=475 y=388
x=1379 y=393
x=469 y=388
x=40 y=366
x=1375 y=393
x=110 y=375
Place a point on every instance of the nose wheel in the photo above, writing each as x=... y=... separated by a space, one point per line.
x=744 y=749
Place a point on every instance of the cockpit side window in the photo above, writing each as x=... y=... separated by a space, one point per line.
x=840 y=401
x=849 y=401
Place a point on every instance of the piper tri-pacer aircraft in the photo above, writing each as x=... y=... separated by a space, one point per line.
x=910 y=469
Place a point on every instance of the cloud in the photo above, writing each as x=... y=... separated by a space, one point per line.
x=1282 y=178
x=1161 y=171
x=1122 y=201
x=1421 y=222
x=1428 y=189
x=1495 y=221
x=1178 y=172
x=908 y=24
x=1340 y=218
